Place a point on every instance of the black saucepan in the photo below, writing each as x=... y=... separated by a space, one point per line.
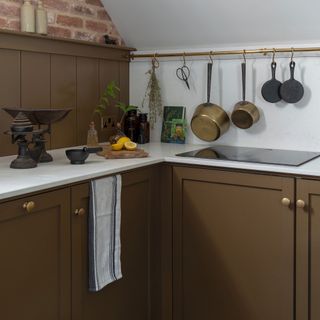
x=292 y=90
x=271 y=89
x=79 y=156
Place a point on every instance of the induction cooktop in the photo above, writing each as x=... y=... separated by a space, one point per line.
x=256 y=155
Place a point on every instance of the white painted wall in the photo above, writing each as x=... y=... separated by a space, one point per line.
x=284 y=126
x=153 y=24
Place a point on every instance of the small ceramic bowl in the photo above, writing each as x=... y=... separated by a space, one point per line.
x=79 y=156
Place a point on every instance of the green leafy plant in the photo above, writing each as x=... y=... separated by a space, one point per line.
x=125 y=108
x=111 y=92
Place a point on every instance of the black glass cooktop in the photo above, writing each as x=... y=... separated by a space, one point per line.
x=257 y=155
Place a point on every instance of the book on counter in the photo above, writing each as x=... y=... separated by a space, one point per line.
x=174 y=125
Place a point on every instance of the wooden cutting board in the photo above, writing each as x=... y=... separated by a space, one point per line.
x=123 y=154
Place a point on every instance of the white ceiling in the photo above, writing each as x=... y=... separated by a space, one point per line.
x=172 y=24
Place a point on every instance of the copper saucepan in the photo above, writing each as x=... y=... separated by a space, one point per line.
x=245 y=113
x=209 y=120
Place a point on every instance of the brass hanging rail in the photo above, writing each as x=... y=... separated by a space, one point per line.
x=263 y=51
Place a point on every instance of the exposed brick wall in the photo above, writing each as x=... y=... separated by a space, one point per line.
x=73 y=19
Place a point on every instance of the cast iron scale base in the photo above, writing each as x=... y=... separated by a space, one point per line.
x=23 y=127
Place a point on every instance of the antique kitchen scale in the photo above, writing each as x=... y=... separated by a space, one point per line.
x=28 y=130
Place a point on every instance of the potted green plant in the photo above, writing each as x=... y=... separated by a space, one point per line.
x=111 y=92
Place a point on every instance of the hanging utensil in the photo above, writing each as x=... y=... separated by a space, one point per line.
x=183 y=73
x=209 y=120
x=271 y=89
x=292 y=90
x=245 y=113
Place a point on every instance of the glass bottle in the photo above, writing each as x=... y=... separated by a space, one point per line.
x=131 y=125
x=92 y=137
x=144 y=129
x=27 y=17
x=41 y=19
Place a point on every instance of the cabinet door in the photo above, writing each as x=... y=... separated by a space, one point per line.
x=308 y=250
x=131 y=296
x=35 y=258
x=233 y=246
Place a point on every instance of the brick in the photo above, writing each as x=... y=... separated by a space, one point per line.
x=103 y=15
x=68 y=21
x=14 y=25
x=86 y=36
x=82 y=10
x=9 y=10
x=57 y=5
x=16 y=1
x=59 y=32
x=95 y=3
x=97 y=26
x=3 y=23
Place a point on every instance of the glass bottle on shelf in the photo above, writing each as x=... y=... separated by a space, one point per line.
x=92 y=137
x=27 y=17
x=41 y=19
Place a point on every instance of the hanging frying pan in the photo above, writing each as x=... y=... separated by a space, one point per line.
x=209 y=120
x=271 y=89
x=292 y=90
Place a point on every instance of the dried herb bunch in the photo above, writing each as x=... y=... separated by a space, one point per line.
x=153 y=94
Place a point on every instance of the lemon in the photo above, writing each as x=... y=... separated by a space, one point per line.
x=129 y=145
x=117 y=146
x=123 y=140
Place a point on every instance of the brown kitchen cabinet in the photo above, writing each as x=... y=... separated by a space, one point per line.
x=35 y=257
x=134 y=296
x=234 y=246
x=308 y=249
x=44 y=255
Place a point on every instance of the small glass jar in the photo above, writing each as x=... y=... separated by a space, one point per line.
x=144 y=129
x=131 y=125
x=92 y=137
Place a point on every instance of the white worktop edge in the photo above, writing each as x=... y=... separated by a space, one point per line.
x=17 y=182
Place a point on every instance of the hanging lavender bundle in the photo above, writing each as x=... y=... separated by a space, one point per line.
x=153 y=94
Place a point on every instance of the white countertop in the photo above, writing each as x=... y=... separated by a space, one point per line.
x=15 y=182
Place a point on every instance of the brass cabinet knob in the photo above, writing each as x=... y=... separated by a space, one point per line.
x=286 y=202
x=79 y=212
x=300 y=204
x=29 y=206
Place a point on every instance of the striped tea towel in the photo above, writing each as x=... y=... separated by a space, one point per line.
x=104 y=232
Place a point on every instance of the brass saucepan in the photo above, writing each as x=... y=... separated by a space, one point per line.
x=245 y=113
x=209 y=120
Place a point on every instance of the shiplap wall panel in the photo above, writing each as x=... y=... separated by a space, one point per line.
x=9 y=94
x=63 y=95
x=41 y=72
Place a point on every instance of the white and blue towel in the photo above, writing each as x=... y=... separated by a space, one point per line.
x=104 y=232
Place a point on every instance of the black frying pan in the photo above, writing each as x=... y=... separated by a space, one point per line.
x=271 y=89
x=291 y=90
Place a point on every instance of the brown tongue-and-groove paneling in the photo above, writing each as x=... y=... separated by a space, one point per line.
x=87 y=95
x=9 y=94
x=39 y=72
x=63 y=95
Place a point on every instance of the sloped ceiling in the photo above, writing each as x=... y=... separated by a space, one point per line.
x=165 y=24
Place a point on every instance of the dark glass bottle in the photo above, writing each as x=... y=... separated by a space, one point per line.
x=131 y=125
x=144 y=129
